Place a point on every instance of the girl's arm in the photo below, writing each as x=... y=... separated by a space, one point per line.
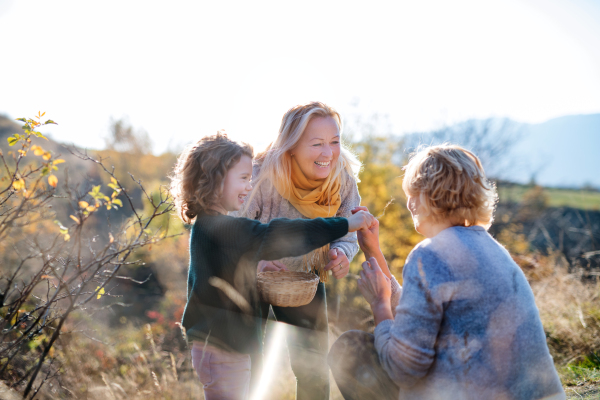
x=284 y=237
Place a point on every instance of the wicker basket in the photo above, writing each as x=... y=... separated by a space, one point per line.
x=287 y=289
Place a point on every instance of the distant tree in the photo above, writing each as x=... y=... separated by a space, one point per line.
x=492 y=140
x=124 y=138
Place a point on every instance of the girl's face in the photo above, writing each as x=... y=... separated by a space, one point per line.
x=319 y=148
x=236 y=185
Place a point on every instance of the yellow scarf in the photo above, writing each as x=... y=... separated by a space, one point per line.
x=313 y=199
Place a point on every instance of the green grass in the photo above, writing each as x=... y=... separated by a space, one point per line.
x=582 y=199
x=581 y=380
x=580 y=383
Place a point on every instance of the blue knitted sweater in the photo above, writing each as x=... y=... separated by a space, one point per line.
x=467 y=326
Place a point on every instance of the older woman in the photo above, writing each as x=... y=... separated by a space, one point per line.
x=307 y=173
x=466 y=326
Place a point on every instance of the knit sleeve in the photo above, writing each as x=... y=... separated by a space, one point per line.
x=405 y=355
x=284 y=237
x=350 y=199
x=396 y=294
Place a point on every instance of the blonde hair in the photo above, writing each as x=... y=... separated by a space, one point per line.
x=275 y=160
x=197 y=179
x=451 y=185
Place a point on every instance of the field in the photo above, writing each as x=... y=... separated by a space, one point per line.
x=583 y=199
x=106 y=326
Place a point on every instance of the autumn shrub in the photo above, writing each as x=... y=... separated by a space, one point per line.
x=55 y=269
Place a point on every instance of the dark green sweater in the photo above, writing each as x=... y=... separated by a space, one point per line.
x=229 y=249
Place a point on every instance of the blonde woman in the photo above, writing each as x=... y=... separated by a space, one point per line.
x=466 y=325
x=307 y=173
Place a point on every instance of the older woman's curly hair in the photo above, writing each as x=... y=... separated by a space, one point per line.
x=451 y=185
x=197 y=180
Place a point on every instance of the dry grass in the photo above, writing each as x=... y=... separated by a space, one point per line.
x=151 y=361
x=570 y=312
x=148 y=362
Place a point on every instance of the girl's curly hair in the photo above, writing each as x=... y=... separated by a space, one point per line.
x=197 y=179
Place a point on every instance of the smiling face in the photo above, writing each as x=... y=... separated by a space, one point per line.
x=319 y=148
x=236 y=185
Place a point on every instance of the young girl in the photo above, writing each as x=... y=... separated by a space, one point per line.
x=222 y=316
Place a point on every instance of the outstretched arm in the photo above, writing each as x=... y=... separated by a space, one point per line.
x=284 y=237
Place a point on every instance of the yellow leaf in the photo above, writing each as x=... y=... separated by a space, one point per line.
x=19 y=184
x=59 y=161
x=83 y=204
x=47 y=156
x=37 y=150
x=52 y=180
x=100 y=293
x=74 y=218
x=111 y=238
x=66 y=237
x=91 y=208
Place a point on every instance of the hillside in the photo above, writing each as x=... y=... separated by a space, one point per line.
x=562 y=152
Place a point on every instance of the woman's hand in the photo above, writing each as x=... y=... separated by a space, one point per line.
x=264 y=266
x=368 y=239
x=338 y=263
x=376 y=289
x=360 y=219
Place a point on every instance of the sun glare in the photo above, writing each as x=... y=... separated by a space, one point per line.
x=272 y=356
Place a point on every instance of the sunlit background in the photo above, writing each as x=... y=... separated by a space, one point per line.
x=183 y=69
x=186 y=68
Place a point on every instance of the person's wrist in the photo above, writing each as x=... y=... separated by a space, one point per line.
x=382 y=309
x=382 y=302
x=372 y=252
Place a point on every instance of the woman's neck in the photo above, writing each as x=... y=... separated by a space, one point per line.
x=431 y=230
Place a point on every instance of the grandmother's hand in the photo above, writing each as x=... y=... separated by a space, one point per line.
x=338 y=263
x=264 y=266
x=374 y=285
x=368 y=240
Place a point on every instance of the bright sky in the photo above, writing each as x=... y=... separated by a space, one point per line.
x=182 y=69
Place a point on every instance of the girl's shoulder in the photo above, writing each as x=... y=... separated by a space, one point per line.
x=217 y=223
